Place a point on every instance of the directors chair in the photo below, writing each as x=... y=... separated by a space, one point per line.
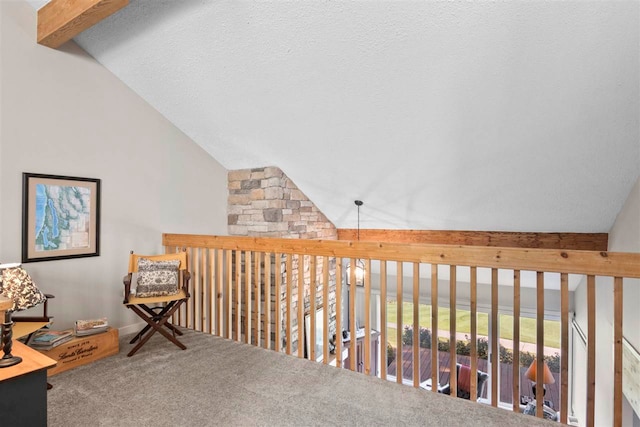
x=160 y=287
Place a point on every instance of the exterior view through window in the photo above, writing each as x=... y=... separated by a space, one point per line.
x=463 y=350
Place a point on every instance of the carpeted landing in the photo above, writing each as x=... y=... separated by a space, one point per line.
x=217 y=382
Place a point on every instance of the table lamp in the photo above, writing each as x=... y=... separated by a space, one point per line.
x=532 y=374
x=17 y=286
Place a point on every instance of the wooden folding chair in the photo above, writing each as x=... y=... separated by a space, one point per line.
x=157 y=310
x=26 y=326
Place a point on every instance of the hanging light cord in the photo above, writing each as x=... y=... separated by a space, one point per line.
x=358 y=204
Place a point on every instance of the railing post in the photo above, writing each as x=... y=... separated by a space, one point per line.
x=367 y=318
x=352 y=315
x=539 y=344
x=339 y=309
x=516 y=341
x=278 y=303
x=495 y=338
x=325 y=312
x=416 y=324
x=399 y=352
x=564 y=346
x=301 y=306
x=312 y=308
x=383 y=320
x=453 y=373
x=289 y=306
x=434 y=329
x=473 y=291
x=591 y=350
x=617 y=353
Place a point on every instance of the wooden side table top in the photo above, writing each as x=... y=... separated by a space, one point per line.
x=32 y=361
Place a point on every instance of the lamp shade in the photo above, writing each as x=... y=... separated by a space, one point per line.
x=532 y=373
x=17 y=285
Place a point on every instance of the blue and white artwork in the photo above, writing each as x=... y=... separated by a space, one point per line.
x=62 y=217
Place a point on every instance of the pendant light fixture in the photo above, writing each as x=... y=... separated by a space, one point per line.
x=360 y=272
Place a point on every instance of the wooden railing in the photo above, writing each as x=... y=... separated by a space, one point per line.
x=243 y=288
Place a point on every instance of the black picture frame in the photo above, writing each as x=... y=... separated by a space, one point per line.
x=60 y=217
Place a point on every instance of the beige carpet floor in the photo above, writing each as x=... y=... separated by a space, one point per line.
x=217 y=382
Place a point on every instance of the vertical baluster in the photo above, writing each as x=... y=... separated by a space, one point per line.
x=434 y=328
x=238 y=307
x=339 y=310
x=539 y=344
x=229 y=281
x=516 y=341
x=617 y=352
x=591 y=349
x=218 y=291
x=352 y=315
x=301 y=306
x=189 y=317
x=564 y=346
x=453 y=377
x=367 y=317
x=325 y=312
x=416 y=324
x=247 y=297
x=495 y=337
x=174 y=317
x=278 y=303
x=399 y=358
x=257 y=297
x=191 y=321
x=383 y=320
x=267 y=300
x=473 y=294
x=289 y=305
x=211 y=283
x=312 y=308
x=205 y=288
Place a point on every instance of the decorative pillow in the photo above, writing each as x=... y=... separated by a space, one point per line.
x=16 y=284
x=157 y=278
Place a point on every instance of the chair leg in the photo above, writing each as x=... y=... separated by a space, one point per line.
x=155 y=323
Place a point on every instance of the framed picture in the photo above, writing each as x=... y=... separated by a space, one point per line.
x=318 y=332
x=60 y=217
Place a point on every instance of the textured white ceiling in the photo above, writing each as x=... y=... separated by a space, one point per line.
x=520 y=116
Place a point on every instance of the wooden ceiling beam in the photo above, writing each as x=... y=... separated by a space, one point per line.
x=61 y=20
x=569 y=241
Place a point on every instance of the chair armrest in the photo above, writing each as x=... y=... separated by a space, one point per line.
x=45 y=315
x=186 y=276
x=445 y=390
x=127 y=287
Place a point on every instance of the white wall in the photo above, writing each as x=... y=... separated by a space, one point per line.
x=63 y=113
x=624 y=236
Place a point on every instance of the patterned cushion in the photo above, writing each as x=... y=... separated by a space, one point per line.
x=16 y=284
x=157 y=278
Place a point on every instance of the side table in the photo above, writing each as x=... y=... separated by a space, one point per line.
x=23 y=388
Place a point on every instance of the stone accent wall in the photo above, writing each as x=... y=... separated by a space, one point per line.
x=264 y=202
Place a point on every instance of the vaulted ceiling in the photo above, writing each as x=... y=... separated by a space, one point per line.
x=514 y=116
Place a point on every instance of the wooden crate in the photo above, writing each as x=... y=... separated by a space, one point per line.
x=82 y=350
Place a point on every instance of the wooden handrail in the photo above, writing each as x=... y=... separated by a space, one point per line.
x=549 y=260
x=232 y=275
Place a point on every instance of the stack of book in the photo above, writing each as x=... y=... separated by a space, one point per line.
x=46 y=339
x=90 y=327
